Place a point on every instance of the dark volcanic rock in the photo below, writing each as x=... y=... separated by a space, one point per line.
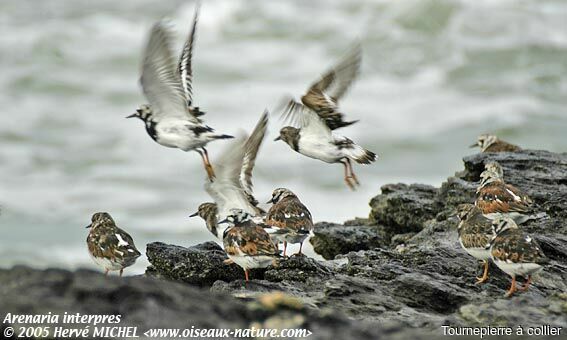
x=201 y=265
x=401 y=274
x=149 y=303
x=331 y=239
x=404 y=208
x=405 y=265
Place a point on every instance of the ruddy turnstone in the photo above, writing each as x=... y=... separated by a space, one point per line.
x=232 y=187
x=323 y=96
x=208 y=211
x=491 y=143
x=247 y=243
x=171 y=119
x=494 y=197
x=109 y=246
x=288 y=219
x=515 y=252
x=315 y=139
x=475 y=233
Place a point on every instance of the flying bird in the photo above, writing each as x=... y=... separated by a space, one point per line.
x=170 y=118
x=323 y=96
x=232 y=188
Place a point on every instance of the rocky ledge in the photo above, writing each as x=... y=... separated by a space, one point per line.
x=398 y=274
x=402 y=266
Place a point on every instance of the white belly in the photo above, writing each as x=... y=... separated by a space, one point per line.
x=320 y=149
x=105 y=263
x=477 y=253
x=249 y=262
x=178 y=135
x=521 y=269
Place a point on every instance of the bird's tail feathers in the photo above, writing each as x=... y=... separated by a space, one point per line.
x=361 y=155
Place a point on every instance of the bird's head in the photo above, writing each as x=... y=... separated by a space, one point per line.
x=144 y=112
x=279 y=194
x=503 y=223
x=466 y=210
x=484 y=141
x=100 y=218
x=236 y=216
x=494 y=168
x=206 y=210
x=289 y=134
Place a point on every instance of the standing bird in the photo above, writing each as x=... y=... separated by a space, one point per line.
x=491 y=143
x=495 y=197
x=171 y=119
x=475 y=233
x=109 y=246
x=515 y=252
x=232 y=188
x=246 y=243
x=289 y=220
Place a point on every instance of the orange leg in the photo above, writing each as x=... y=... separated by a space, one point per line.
x=347 y=176
x=246 y=274
x=209 y=162
x=121 y=270
x=526 y=284
x=208 y=167
x=512 y=287
x=352 y=175
x=484 y=277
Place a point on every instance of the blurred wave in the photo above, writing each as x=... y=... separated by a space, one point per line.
x=436 y=73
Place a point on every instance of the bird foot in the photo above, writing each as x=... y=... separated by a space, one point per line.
x=481 y=280
x=350 y=183
x=210 y=172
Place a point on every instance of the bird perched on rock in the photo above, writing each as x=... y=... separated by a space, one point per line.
x=109 y=246
x=288 y=219
x=491 y=143
x=515 y=252
x=171 y=119
x=232 y=188
x=475 y=233
x=495 y=197
x=318 y=115
x=246 y=243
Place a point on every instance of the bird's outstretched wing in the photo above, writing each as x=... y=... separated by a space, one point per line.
x=251 y=148
x=323 y=96
x=226 y=189
x=185 y=66
x=160 y=79
x=337 y=80
x=307 y=120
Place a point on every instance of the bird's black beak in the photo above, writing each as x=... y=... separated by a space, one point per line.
x=195 y=214
x=132 y=115
x=278 y=138
x=223 y=221
x=473 y=146
x=87 y=227
x=270 y=201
